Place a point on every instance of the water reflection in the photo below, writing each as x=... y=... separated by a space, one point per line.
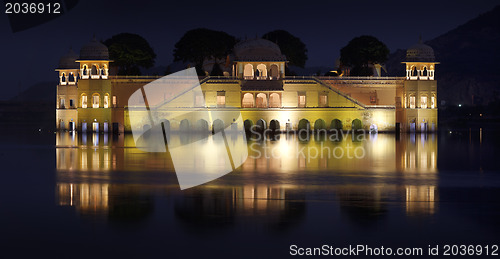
x=110 y=176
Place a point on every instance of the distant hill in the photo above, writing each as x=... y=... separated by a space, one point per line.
x=469 y=72
x=44 y=92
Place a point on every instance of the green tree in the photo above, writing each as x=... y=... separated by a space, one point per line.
x=361 y=52
x=199 y=44
x=129 y=52
x=292 y=47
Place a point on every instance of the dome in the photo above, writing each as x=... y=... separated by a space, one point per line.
x=258 y=50
x=420 y=52
x=68 y=61
x=94 y=50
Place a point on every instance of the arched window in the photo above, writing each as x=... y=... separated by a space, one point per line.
x=423 y=102
x=104 y=71
x=84 y=101
x=412 y=102
x=414 y=71
x=274 y=72
x=424 y=72
x=63 y=78
x=274 y=100
x=95 y=101
x=262 y=72
x=71 y=77
x=433 y=102
x=106 y=101
x=247 y=101
x=94 y=70
x=261 y=100
x=248 y=72
x=84 y=72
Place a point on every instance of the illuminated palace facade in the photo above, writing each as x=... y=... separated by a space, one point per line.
x=254 y=81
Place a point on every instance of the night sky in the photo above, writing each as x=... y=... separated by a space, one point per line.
x=30 y=56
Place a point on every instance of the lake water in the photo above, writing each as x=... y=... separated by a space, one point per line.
x=96 y=195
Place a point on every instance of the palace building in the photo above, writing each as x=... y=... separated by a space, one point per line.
x=254 y=82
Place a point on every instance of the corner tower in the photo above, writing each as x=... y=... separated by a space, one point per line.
x=416 y=104
x=67 y=92
x=94 y=88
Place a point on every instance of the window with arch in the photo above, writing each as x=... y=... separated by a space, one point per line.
x=95 y=101
x=261 y=72
x=248 y=72
x=85 y=70
x=247 y=101
x=414 y=71
x=412 y=102
x=63 y=78
x=94 y=70
x=424 y=71
x=106 y=101
x=433 y=102
x=274 y=100
x=423 y=102
x=71 y=77
x=261 y=100
x=84 y=101
x=274 y=71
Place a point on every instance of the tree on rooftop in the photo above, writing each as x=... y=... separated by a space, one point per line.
x=361 y=52
x=292 y=47
x=129 y=53
x=199 y=44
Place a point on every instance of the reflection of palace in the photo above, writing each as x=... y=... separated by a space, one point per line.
x=391 y=169
x=254 y=81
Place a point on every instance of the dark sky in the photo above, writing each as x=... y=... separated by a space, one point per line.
x=31 y=56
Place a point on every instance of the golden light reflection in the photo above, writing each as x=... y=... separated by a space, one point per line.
x=87 y=198
x=282 y=162
x=420 y=199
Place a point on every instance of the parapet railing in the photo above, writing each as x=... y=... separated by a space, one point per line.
x=135 y=77
x=286 y=77
x=359 y=77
